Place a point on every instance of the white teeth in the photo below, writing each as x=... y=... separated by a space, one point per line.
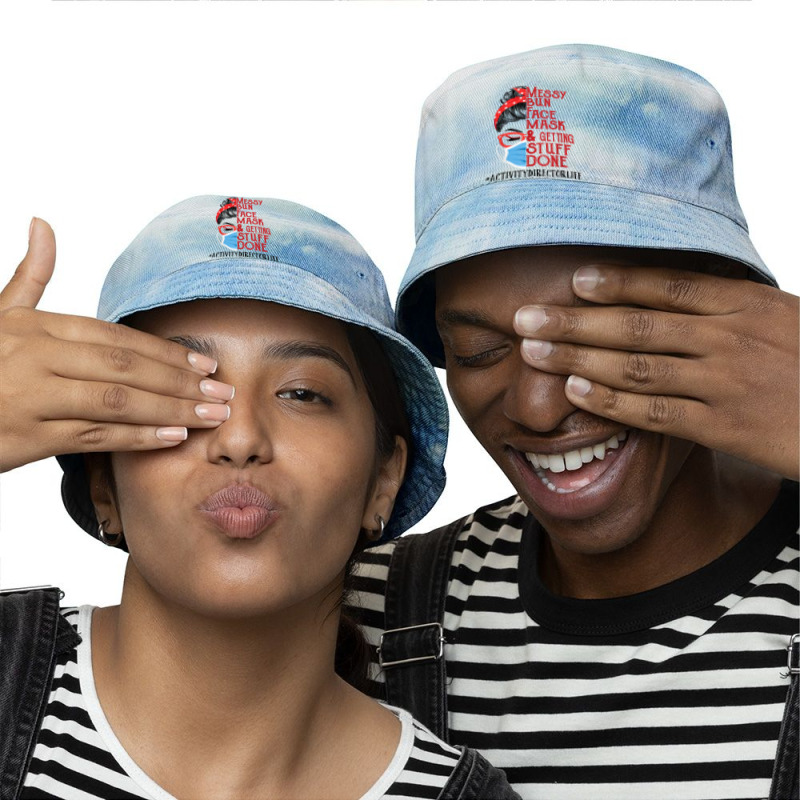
x=573 y=459
x=599 y=451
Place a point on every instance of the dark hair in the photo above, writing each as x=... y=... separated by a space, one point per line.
x=227 y=209
x=513 y=113
x=352 y=656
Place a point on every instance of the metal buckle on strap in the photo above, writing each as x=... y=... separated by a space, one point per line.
x=397 y=662
x=793 y=660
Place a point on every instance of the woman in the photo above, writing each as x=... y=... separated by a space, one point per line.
x=216 y=676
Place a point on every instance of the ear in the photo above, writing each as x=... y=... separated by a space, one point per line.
x=101 y=483
x=387 y=484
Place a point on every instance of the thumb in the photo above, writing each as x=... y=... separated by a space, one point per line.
x=29 y=281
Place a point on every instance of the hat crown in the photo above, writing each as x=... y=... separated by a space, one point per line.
x=236 y=240
x=583 y=113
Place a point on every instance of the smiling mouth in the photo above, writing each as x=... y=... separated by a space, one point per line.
x=572 y=470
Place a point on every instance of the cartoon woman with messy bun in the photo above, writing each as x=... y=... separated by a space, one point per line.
x=227 y=223
x=513 y=109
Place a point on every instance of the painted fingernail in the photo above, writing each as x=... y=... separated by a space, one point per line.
x=536 y=349
x=203 y=363
x=529 y=319
x=217 y=390
x=210 y=411
x=579 y=386
x=587 y=279
x=172 y=434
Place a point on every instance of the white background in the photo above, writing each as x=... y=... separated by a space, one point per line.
x=113 y=111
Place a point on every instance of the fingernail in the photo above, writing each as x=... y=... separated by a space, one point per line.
x=579 y=386
x=31 y=227
x=172 y=434
x=536 y=349
x=210 y=411
x=217 y=390
x=586 y=279
x=529 y=319
x=203 y=363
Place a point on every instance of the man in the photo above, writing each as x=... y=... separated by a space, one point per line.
x=619 y=628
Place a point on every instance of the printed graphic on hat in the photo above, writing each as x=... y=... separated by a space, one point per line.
x=529 y=132
x=239 y=226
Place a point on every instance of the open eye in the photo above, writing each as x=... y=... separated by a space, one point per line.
x=303 y=395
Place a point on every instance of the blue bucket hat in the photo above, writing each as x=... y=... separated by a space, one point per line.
x=569 y=145
x=280 y=252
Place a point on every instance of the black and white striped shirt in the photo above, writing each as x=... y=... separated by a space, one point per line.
x=78 y=757
x=673 y=694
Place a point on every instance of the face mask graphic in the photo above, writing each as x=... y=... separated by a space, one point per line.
x=228 y=235
x=516 y=155
x=512 y=147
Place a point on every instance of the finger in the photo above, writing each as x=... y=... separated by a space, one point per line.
x=642 y=373
x=86 y=436
x=616 y=327
x=112 y=402
x=122 y=337
x=675 y=416
x=666 y=289
x=28 y=283
x=79 y=361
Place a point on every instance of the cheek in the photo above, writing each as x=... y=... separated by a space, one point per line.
x=475 y=397
x=149 y=489
x=147 y=485
x=334 y=472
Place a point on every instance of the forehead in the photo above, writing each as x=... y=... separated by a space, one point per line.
x=521 y=275
x=243 y=320
x=544 y=274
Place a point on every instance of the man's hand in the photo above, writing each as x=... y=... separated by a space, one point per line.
x=73 y=384
x=713 y=360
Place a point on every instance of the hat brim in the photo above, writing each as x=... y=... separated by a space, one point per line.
x=528 y=213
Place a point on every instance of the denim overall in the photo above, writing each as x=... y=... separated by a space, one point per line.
x=33 y=634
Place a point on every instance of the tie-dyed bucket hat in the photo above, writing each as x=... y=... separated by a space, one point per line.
x=569 y=145
x=280 y=252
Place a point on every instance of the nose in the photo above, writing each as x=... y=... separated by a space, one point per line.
x=244 y=439
x=535 y=399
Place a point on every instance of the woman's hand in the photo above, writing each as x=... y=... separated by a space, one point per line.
x=709 y=359
x=73 y=384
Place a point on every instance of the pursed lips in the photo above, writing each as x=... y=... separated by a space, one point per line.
x=240 y=511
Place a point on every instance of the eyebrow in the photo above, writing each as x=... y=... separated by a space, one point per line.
x=452 y=317
x=283 y=351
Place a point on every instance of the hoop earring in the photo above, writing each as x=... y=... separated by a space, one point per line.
x=109 y=539
x=377 y=534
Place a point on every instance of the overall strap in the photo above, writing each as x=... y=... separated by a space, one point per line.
x=474 y=777
x=411 y=651
x=32 y=636
x=785 y=783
